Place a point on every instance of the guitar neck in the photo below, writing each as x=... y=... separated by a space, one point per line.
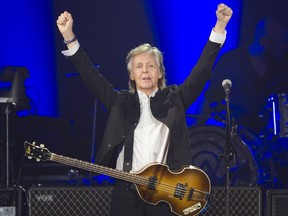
x=118 y=174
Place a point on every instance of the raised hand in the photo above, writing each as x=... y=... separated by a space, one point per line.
x=224 y=14
x=65 y=25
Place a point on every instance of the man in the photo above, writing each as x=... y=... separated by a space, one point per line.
x=146 y=124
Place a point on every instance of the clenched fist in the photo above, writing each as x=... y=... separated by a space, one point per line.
x=224 y=14
x=65 y=25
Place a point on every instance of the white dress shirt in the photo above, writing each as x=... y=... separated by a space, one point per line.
x=151 y=138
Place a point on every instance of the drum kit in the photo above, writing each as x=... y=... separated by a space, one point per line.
x=258 y=157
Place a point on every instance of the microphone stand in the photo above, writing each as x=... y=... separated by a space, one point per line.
x=229 y=151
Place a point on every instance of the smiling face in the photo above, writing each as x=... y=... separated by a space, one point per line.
x=145 y=72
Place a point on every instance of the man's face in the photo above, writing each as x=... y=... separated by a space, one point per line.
x=145 y=72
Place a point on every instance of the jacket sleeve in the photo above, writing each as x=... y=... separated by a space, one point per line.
x=96 y=82
x=194 y=84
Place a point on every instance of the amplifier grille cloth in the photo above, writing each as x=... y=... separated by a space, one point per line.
x=57 y=201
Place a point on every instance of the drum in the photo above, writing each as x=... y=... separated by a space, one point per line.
x=250 y=166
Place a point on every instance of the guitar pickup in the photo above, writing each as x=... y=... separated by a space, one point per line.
x=152 y=182
x=180 y=190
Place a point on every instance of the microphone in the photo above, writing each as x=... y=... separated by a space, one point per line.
x=227 y=85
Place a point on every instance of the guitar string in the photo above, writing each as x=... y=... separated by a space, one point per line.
x=141 y=180
x=145 y=181
x=194 y=196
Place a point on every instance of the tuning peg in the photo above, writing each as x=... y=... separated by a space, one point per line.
x=29 y=157
x=37 y=159
x=33 y=143
x=42 y=145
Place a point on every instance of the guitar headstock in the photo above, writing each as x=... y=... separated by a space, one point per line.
x=38 y=152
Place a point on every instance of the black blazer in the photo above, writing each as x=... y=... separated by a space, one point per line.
x=168 y=106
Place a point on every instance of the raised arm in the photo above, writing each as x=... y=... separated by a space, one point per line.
x=202 y=71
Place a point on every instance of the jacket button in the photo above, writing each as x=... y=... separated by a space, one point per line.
x=123 y=135
x=109 y=145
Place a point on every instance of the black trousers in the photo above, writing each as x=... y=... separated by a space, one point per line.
x=126 y=202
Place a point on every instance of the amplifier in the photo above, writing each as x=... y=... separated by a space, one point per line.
x=277 y=202
x=72 y=201
x=82 y=201
x=10 y=201
x=8 y=211
x=243 y=201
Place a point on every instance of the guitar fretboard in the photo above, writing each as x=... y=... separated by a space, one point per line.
x=129 y=177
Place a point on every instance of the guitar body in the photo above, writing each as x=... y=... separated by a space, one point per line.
x=196 y=182
x=185 y=191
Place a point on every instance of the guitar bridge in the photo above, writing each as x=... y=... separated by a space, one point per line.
x=180 y=190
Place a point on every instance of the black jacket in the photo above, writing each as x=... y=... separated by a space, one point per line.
x=168 y=106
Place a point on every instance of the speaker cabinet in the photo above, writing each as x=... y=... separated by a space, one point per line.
x=7 y=211
x=242 y=201
x=72 y=201
x=10 y=202
x=82 y=201
x=277 y=202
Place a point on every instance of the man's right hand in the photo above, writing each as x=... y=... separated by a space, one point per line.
x=65 y=25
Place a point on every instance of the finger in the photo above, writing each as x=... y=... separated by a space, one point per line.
x=59 y=22
x=61 y=19
x=221 y=7
x=230 y=12
x=68 y=16
x=225 y=10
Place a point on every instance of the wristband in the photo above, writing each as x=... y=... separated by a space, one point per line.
x=70 y=41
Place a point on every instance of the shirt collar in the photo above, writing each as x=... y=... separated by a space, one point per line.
x=143 y=96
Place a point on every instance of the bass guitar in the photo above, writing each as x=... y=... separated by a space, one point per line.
x=185 y=191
